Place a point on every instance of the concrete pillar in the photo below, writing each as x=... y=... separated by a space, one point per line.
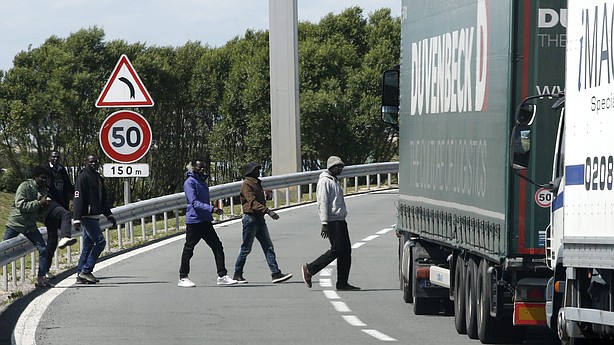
x=285 y=116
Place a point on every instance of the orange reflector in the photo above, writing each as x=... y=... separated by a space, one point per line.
x=423 y=273
x=529 y=314
x=557 y=286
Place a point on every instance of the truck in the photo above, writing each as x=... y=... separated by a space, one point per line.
x=580 y=235
x=472 y=232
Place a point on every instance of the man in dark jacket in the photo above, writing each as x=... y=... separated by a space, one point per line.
x=58 y=216
x=254 y=207
x=198 y=218
x=90 y=201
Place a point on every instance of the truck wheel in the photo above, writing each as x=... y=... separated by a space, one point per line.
x=459 y=295
x=486 y=324
x=471 y=299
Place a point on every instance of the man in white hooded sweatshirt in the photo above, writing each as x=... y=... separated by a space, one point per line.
x=332 y=211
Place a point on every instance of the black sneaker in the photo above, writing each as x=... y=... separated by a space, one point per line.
x=281 y=277
x=88 y=277
x=43 y=284
x=348 y=287
x=239 y=278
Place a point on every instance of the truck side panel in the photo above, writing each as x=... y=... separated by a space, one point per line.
x=460 y=81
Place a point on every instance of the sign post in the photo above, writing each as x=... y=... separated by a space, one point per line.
x=125 y=136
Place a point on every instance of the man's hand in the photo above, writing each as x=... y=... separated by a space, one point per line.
x=218 y=211
x=112 y=220
x=272 y=214
x=324 y=232
x=44 y=201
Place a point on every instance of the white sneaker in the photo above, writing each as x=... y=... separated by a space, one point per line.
x=66 y=241
x=186 y=282
x=226 y=280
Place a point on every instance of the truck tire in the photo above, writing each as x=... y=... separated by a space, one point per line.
x=487 y=325
x=460 y=282
x=471 y=299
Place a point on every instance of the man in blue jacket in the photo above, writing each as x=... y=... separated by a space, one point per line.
x=198 y=222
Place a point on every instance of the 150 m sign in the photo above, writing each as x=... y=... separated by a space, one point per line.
x=125 y=170
x=125 y=136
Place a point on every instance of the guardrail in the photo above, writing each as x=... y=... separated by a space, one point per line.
x=13 y=252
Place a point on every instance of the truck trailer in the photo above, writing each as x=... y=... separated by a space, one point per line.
x=580 y=236
x=471 y=232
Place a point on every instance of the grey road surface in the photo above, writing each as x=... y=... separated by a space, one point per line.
x=138 y=301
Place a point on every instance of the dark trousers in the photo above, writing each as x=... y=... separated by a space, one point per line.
x=194 y=233
x=340 y=249
x=58 y=219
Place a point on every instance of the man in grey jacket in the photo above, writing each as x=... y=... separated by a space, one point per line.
x=332 y=211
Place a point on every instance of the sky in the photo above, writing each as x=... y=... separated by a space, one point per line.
x=27 y=23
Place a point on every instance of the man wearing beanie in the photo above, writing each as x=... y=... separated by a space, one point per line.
x=332 y=211
x=254 y=207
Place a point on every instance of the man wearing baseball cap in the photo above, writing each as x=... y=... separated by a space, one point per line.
x=332 y=211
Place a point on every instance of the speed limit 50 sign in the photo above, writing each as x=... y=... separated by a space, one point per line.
x=125 y=136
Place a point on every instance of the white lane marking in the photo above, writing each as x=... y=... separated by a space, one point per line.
x=325 y=283
x=353 y=320
x=384 y=231
x=331 y=294
x=24 y=332
x=340 y=306
x=378 y=335
x=369 y=238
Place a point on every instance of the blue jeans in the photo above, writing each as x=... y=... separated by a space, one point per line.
x=38 y=241
x=93 y=245
x=255 y=227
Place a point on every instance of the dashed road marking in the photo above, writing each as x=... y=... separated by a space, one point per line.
x=369 y=238
x=384 y=231
x=331 y=294
x=357 y=245
x=341 y=306
x=353 y=320
x=326 y=283
x=378 y=335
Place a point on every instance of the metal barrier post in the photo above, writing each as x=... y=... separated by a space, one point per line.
x=33 y=260
x=143 y=234
x=119 y=235
x=22 y=269
x=287 y=196
x=176 y=220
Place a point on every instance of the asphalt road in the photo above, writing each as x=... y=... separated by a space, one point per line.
x=138 y=301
